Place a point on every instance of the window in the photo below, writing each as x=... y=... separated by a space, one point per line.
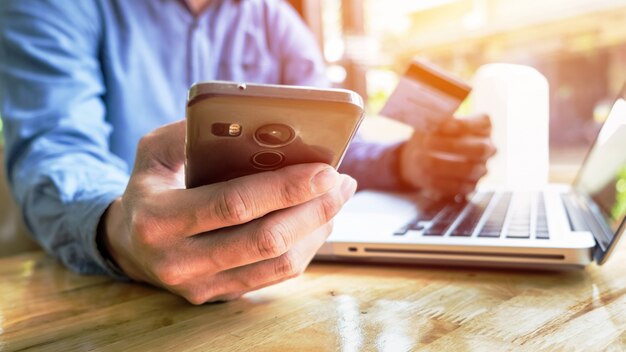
x=579 y=45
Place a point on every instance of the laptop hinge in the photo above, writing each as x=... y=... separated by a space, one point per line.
x=584 y=209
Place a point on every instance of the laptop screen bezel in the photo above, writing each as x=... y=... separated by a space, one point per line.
x=599 y=255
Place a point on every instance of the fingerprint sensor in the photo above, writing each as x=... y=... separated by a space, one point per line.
x=267 y=160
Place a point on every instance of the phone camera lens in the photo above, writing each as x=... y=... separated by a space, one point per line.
x=274 y=135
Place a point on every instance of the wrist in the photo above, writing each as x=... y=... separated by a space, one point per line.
x=114 y=239
x=403 y=161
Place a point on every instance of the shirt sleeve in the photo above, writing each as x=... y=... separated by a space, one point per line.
x=373 y=165
x=59 y=166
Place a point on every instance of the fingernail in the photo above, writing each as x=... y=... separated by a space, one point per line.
x=348 y=187
x=324 y=180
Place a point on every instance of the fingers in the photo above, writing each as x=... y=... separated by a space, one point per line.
x=443 y=187
x=276 y=233
x=232 y=283
x=478 y=125
x=438 y=165
x=469 y=148
x=266 y=238
x=444 y=172
x=452 y=159
x=238 y=201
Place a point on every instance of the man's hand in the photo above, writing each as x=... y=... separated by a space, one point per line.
x=219 y=241
x=451 y=160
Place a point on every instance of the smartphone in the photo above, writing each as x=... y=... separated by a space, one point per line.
x=238 y=129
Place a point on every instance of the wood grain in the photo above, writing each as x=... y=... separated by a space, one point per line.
x=331 y=307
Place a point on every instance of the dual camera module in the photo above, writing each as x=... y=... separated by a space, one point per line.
x=273 y=135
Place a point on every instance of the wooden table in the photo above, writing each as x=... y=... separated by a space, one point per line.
x=331 y=307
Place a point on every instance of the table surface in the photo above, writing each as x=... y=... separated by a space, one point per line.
x=331 y=307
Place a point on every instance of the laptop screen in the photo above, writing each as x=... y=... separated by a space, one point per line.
x=603 y=174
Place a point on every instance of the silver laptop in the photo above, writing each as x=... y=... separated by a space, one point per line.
x=558 y=227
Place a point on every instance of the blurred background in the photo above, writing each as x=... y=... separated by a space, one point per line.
x=579 y=45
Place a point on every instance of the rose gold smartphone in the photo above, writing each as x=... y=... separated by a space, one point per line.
x=237 y=129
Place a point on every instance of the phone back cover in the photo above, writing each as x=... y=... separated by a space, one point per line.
x=323 y=131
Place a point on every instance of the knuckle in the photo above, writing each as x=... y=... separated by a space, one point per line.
x=467 y=170
x=487 y=120
x=196 y=297
x=232 y=207
x=328 y=208
x=202 y=293
x=145 y=142
x=143 y=226
x=294 y=192
x=287 y=266
x=467 y=187
x=271 y=240
x=245 y=284
x=487 y=149
x=474 y=173
x=168 y=274
x=145 y=148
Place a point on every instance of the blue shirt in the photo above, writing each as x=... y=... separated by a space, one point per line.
x=82 y=81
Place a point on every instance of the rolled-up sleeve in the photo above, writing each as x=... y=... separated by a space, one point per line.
x=59 y=165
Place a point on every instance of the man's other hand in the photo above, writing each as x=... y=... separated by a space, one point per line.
x=219 y=241
x=451 y=160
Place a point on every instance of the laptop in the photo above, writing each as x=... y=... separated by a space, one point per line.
x=557 y=227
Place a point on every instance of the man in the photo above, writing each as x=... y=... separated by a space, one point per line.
x=82 y=82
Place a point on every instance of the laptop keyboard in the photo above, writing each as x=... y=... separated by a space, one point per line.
x=462 y=219
x=474 y=212
x=519 y=225
x=444 y=219
x=493 y=225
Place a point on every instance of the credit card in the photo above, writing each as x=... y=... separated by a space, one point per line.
x=425 y=97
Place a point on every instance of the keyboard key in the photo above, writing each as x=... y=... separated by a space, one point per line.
x=444 y=219
x=493 y=226
x=491 y=234
x=518 y=234
x=519 y=224
x=475 y=211
x=403 y=230
x=416 y=224
x=542 y=229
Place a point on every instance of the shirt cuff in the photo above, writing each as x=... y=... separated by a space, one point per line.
x=375 y=165
x=93 y=210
